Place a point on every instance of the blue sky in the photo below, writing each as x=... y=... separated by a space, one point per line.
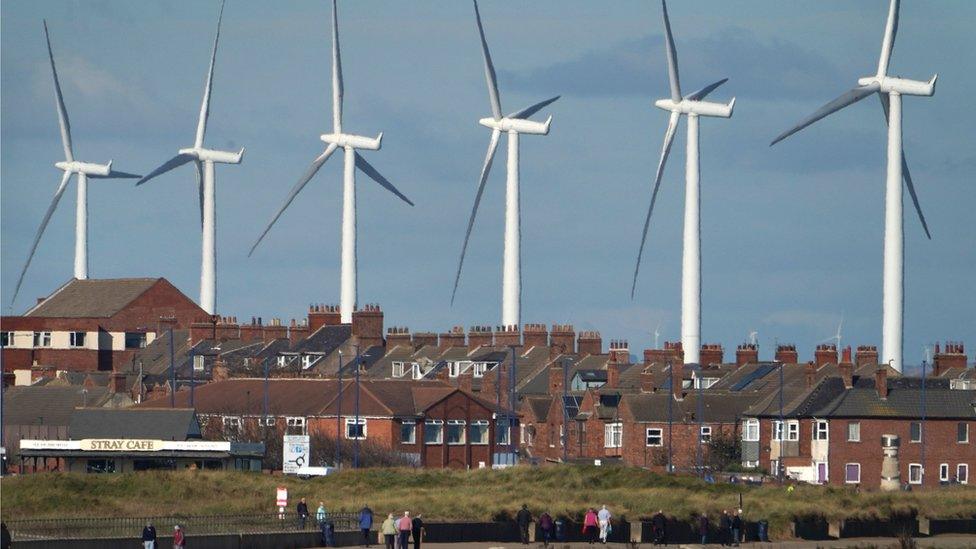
x=791 y=236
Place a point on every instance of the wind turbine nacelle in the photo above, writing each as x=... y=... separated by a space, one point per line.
x=518 y=125
x=219 y=157
x=86 y=168
x=353 y=141
x=903 y=86
x=701 y=108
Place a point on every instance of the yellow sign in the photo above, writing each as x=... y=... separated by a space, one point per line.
x=120 y=445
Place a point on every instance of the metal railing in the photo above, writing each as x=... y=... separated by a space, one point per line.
x=192 y=525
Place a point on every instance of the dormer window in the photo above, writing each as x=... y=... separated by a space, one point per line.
x=282 y=361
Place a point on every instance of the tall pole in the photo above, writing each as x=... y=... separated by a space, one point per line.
x=511 y=407
x=782 y=427
x=193 y=380
x=701 y=423
x=267 y=383
x=81 y=228
x=355 y=460
x=172 y=371
x=894 y=243
x=691 y=254
x=670 y=419
x=338 y=446
x=566 y=363
x=347 y=278
x=512 y=274
x=922 y=449
x=208 y=268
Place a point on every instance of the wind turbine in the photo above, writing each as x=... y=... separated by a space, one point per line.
x=889 y=90
x=70 y=166
x=349 y=143
x=836 y=338
x=754 y=337
x=204 y=159
x=513 y=124
x=692 y=105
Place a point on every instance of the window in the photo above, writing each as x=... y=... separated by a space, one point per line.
x=852 y=473
x=266 y=421
x=282 y=361
x=307 y=361
x=408 y=433
x=481 y=367
x=433 y=431
x=562 y=435
x=453 y=369
x=916 y=431
x=198 y=363
x=296 y=423
x=479 y=432
x=750 y=433
x=706 y=434
x=750 y=464
x=398 y=369
x=820 y=430
x=503 y=433
x=943 y=472
x=792 y=430
x=6 y=338
x=42 y=339
x=915 y=473
x=355 y=429
x=135 y=340
x=101 y=466
x=962 y=432
x=655 y=437
x=455 y=431
x=853 y=431
x=613 y=434
x=76 y=339
x=962 y=473
x=232 y=422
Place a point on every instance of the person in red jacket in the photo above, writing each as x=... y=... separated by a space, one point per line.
x=179 y=539
x=590 y=526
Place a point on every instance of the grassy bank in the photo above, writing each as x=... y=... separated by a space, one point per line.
x=456 y=495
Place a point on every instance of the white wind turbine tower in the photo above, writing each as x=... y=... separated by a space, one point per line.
x=693 y=106
x=70 y=166
x=349 y=143
x=204 y=159
x=889 y=90
x=514 y=124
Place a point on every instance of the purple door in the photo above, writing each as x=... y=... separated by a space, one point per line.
x=822 y=473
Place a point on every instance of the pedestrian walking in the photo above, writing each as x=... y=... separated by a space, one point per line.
x=590 y=526
x=736 y=528
x=302 y=513
x=659 y=524
x=365 y=523
x=405 y=525
x=5 y=538
x=703 y=527
x=546 y=527
x=725 y=527
x=418 y=531
x=149 y=536
x=603 y=518
x=389 y=531
x=320 y=513
x=524 y=518
x=179 y=538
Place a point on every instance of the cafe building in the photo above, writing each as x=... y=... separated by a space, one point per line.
x=102 y=440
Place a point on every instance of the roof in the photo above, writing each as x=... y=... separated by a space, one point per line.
x=904 y=400
x=49 y=404
x=152 y=424
x=92 y=298
x=717 y=408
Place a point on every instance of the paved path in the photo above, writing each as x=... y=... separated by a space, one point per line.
x=948 y=541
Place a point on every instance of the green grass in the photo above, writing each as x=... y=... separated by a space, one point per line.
x=479 y=495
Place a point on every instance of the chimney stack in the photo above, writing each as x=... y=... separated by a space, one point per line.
x=826 y=353
x=787 y=354
x=297 y=332
x=320 y=314
x=479 y=336
x=423 y=339
x=508 y=335
x=562 y=340
x=846 y=369
x=227 y=328
x=881 y=382
x=809 y=374
x=116 y=382
x=454 y=338
x=275 y=330
x=589 y=343
x=555 y=379
x=619 y=351
x=536 y=335
x=711 y=353
x=677 y=389
x=954 y=356
x=202 y=329
x=165 y=323
x=671 y=352
x=253 y=331
x=613 y=375
x=866 y=354
x=367 y=326
x=746 y=353
x=398 y=336
x=647 y=380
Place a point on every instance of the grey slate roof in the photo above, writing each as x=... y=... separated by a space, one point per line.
x=48 y=405
x=138 y=423
x=92 y=298
x=904 y=401
x=718 y=408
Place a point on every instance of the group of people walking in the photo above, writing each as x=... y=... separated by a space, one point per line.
x=730 y=530
x=149 y=537
x=397 y=532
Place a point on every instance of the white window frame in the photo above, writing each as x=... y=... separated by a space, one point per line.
x=440 y=431
x=856 y=424
x=73 y=339
x=921 y=433
x=750 y=430
x=959 y=469
x=915 y=467
x=705 y=434
x=413 y=432
x=648 y=434
x=232 y=422
x=503 y=432
x=398 y=368
x=562 y=434
x=792 y=430
x=613 y=435
x=464 y=432
x=480 y=368
x=306 y=361
x=966 y=425
x=42 y=339
x=483 y=423
x=849 y=481
x=750 y=463
x=453 y=369
x=296 y=421
x=821 y=429
x=351 y=421
x=943 y=472
x=282 y=361
x=266 y=421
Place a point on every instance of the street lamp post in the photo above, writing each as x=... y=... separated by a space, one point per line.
x=338 y=441
x=670 y=419
x=359 y=429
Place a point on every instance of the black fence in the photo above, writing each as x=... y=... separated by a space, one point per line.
x=120 y=527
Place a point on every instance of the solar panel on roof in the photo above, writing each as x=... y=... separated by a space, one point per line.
x=572 y=404
x=753 y=376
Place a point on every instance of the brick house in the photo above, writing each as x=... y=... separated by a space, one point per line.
x=94 y=324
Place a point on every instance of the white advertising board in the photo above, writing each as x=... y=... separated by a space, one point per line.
x=295 y=453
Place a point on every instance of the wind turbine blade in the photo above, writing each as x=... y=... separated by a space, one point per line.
x=170 y=164
x=672 y=56
x=116 y=175
x=665 y=150
x=847 y=98
x=309 y=173
x=888 y=44
x=496 y=105
x=199 y=166
x=906 y=174
x=703 y=93
x=336 y=72
x=62 y=111
x=376 y=176
x=492 y=147
x=529 y=111
x=40 y=230
x=205 y=105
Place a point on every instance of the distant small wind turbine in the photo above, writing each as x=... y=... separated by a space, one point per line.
x=514 y=124
x=836 y=337
x=889 y=90
x=754 y=337
x=349 y=143
x=693 y=106
x=204 y=159
x=70 y=166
